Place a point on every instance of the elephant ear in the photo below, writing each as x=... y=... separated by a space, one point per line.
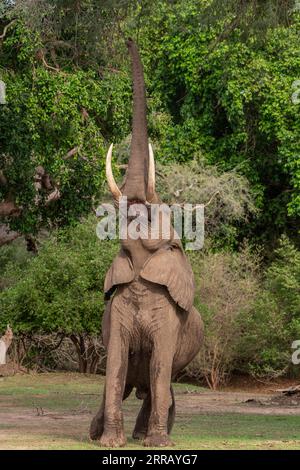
x=169 y=267
x=120 y=272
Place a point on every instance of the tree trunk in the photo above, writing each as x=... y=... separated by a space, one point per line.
x=81 y=353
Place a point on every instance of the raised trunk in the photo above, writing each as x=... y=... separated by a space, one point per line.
x=136 y=180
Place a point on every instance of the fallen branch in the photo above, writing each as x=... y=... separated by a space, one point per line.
x=289 y=391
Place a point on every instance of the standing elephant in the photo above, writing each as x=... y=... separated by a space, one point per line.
x=150 y=328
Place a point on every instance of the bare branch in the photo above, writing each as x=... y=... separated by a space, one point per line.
x=41 y=56
x=53 y=196
x=196 y=206
x=213 y=196
x=2 y=36
x=71 y=153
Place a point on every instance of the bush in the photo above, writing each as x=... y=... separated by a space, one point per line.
x=275 y=320
x=251 y=318
x=227 y=285
x=226 y=196
x=61 y=290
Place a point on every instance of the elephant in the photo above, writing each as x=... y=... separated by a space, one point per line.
x=150 y=327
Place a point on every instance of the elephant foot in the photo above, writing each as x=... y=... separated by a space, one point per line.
x=139 y=434
x=157 y=440
x=112 y=439
x=96 y=428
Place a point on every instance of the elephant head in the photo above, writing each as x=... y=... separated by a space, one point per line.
x=160 y=260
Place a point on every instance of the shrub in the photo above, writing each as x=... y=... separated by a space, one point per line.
x=227 y=285
x=226 y=196
x=275 y=320
x=61 y=290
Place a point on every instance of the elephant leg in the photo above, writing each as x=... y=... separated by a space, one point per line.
x=171 y=416
x=161 y=398
x=116 y=372
x=97 y=424
x=142 y=421
x=141 y=425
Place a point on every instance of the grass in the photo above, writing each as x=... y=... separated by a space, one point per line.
x=53 y=411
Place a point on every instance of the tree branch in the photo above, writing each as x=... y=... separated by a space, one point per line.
x=53 y=196
x=2 y=36
x=41 y=56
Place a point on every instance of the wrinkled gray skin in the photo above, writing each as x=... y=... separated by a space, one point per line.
x=150 y=328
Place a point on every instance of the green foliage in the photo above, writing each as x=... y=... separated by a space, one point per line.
x=13 y=256
x=46 y=117
x=224 y=75
x=275 y=322
x=250 y=321
x=283 y=280
x=83 y=33
x=220 y=77
x=59 y=120
x=61 y=289
x=5 y=6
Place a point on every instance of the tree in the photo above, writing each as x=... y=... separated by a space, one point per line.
x=227 y=285
x=226 y=197
x=219 y=76
x=60 y=110
x=60 y=291
x=274 y=323
x=223 y=72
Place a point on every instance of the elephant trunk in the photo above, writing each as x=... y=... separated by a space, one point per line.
x=137 y=171
x=140 y=177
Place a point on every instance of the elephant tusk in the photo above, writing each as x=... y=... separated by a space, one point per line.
x=151 y=175
x=110 y=177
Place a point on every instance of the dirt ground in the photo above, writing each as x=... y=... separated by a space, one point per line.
x=53 y=411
